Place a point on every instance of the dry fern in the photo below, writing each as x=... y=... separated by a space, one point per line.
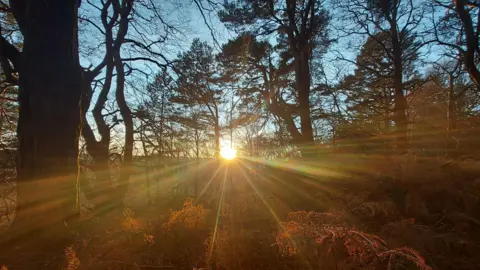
x=72 y=259
x=130 y=224
x=190 y=216
x=147 y=238
x=371 y=209
x=406 y=253
x=308 y=231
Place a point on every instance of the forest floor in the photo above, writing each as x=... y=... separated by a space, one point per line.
x=342 y=213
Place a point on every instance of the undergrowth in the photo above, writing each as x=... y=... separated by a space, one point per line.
x=314 y=233
x=406 y=214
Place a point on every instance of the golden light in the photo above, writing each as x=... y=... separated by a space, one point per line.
x=228 y=153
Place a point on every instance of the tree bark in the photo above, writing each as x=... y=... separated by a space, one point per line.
x=197 y=143
x=300 y=45
x=451 y=114
x=49 y=118
x=148 y=162
x=471 y=35
x=126 y=169
x=162 y=123
x=100 y=149
x=217 y=138
x=302 y=82
x=105 y=195
x=400 y=116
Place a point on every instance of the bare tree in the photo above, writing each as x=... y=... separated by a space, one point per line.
x=127 y=46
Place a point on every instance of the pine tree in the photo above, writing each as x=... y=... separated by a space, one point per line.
x=198 y=86
x=301 y=28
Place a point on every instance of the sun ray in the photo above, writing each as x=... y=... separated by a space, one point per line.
x=209 y=183
x=281 y=183
x=274 y=215
x=220 y=204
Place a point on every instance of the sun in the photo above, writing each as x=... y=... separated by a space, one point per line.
x=228 y=153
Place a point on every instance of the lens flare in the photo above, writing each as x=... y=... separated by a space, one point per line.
x=228 y=153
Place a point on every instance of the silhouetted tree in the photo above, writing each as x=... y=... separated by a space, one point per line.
x=115 y=29
x=457 y=27
x=156 y=112
x=371 y=90
x=265 y=81
x=302 y=31
x=49 y=79
x=399 y=21
x=120 y=24
x=198 y=85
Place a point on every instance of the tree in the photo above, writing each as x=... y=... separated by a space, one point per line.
x=115 y=29
x=8 y=82
x=156 y=112
x=458 y=29
x=8 y=146
x=398 y=20
x=264 y=82
x=371 y=90
x=458 y=91
x=452 y=71
x=196 y=125
x=126 y=44
x=49 y=79
x=302 y=30
x=197 y=85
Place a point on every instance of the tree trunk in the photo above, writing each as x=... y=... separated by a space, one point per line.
x=451 y=114
x=99 y=150
x=148 y=161
x=217 y=134
x=171 y=145
x=126 y=113
x=217 y=139
x=197 y=144
x=49 y=118
x=302 y=82
x=470 y=55
x=300 y=45
x=334 y=139
x=400 y=117
x=162 y=121
x=103 y=181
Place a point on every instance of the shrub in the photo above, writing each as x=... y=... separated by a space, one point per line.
x=317 y=233
x=190 y=216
